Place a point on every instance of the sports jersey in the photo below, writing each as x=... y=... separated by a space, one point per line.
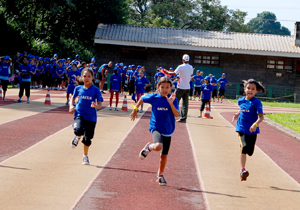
x=85 y=98
x=72 y=76
x=115 y=82
x=162 y=118
x=60 y=70
x=198 y=80
x=25 y=69
x=140 y=84
x=223 y=83
x=4 y=70
x=206 y=91
x=249 y=110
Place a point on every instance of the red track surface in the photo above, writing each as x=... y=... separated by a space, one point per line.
x=280 y=147
x=127 y=182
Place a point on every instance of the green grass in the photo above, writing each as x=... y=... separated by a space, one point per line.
x=274 y=104
x=289 y=120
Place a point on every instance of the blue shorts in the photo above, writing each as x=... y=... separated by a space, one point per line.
x=70 y=89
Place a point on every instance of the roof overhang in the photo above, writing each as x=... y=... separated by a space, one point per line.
x=196 y=48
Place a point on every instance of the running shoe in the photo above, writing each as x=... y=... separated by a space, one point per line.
x=161 y=180
x=199 y=99
x=145 y=151
x=141 y=111
x=181 y=121
x=110 y=108
x=18 y=101
x=200 y=116
x=244 y=175
x=75 y=141
x=28 y=102
x=85 y=160
x=221 y=101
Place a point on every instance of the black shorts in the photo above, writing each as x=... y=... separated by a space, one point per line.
x=58 y=80
x=247 y=143
x=101 y=78
x=38 y=78
x=85 y=128
x=197 y=90
x=221 y=92
x=214 y=93
x=203 y=103
x=4 y=84
x=165 y=140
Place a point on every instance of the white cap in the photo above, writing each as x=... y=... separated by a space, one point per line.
x=186 y=57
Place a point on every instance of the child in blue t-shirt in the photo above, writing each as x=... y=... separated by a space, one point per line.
x=214 y=84
x=162 y=122
x=206 y=92
x=115 y=87
x=25 y=73
x=223 y=82
x=198 y=82
x=85 y=112
x=248 y=120
x=72 y=75
x=141 y=84
x=60 y=73
x=4 y=75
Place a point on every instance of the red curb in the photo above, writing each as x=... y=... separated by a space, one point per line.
x=127 y=182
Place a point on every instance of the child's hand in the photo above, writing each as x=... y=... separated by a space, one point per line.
x=72 y=109
x=133 y=115
x=252 y=128
x=171 y=98
x=235 y=116
x=96 y=105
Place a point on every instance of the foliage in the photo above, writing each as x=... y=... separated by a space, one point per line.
x=265 y=23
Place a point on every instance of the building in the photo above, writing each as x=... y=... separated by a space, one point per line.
x=272 y=59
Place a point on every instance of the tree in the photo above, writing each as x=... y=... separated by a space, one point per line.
x=265 y=23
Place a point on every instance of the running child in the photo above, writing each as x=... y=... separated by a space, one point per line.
x=72 y=77
x=206 y=93
x=165 y=108
x=248 y=120
x=115 y=86
x=4 y=75
x=140 y=87
x=85 y=113
x=223 y=82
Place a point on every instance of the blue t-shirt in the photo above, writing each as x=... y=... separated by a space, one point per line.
x=4 y=70
x=25 y=69
x=140 y=84
x=198 y=80
x=86 y=96
x=60 y=70
x=162 y=118
x=129 y=73
x=72 y=77
x=206 y=91
x=223 y=83
x=191 y=84
x=47 y=68
x=214 y=81
x=249 y=110
x=175 y=83
x=32 y=68
x=115 y=82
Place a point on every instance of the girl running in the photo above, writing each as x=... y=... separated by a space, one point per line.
x=249 y=118
x=85 y=114
x=162 y=122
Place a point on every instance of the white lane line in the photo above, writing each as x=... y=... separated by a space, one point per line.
x=198 y=170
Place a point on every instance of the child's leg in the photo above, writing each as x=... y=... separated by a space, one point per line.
x=162 y=164
x=243 y=161
x=117 y=98
x=202 y=107
x=111 y=97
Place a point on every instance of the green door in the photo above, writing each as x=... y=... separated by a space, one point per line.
x=216 y=71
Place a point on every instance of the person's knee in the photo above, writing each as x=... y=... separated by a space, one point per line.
x=157 y=146
x=86 y=141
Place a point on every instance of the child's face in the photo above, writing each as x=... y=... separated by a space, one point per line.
x=206 y=81
x=164 y=88
x=60 y=64
x=141 y=74
x=250 y=90
x=74 y=68
x=87 y=77
x=25 y=61
x=198 y=73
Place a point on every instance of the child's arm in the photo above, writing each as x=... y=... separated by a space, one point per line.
x=147 y=85
x=257 y=123
x=97 y=105
x=171 y=100
x=236 y=115
x=133 y=114
x=72 y=108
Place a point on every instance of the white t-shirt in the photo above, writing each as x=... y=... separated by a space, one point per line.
x=185 y=72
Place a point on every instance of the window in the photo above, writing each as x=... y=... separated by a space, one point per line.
x=207 y=59
x=280 y=64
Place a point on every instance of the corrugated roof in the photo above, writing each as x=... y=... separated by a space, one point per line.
x=198 y=38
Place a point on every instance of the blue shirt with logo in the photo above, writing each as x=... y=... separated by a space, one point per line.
x=249 y=110
x=115 y=82
x=198 y=80
x=25 y=69
x=223 y=83
x=85 y=98
x=4 y=70
x=162 y=118
x=206 y=91
x=60 y=70
x=140 y=84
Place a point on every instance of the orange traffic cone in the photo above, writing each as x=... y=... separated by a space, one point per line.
x=207 y=111
x=124 y=105
x=47 y=100
x=1 y=92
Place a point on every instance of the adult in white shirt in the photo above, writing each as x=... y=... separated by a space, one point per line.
x=185 y=72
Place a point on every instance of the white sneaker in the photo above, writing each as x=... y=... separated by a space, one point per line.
x=85 y=160
x=145 y=151
x=199 y=99
x=75 y=141
x=110 y=108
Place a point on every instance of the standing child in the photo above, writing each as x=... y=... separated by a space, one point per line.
x=115 y=86
x=72 y=75
x=214 y=84
x=249 y=118
x=85 y=113
x=223 y=82
x=26 y=80
x=140 y=87
x=206 y=93
x=198 y=82
x=4 y=75
x=162 y=122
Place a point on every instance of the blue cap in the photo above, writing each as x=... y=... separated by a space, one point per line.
x=64 y=60
x=177 y=75
x=157 y=69
x=77 y=55
x=161 y=67
x=47 y=59
x=139 y=66
x=117 y=64
x=29 y=60
x=116 y=69
x=121 y=64
x=29 y=55
x=55 y=55
x=59 y=61
x=21 y=54
x=207 y=78
x=92 y=64
x=129 y=66
x=132 y=65
x=41 y=58
x=6 y=57
x=37 y=57
x=52 y=59
x=198 y=71
x=171 y=69
x=213 y=77
x=93 y=59
x=223 y=74
x=125 y=67
x=68 y=59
